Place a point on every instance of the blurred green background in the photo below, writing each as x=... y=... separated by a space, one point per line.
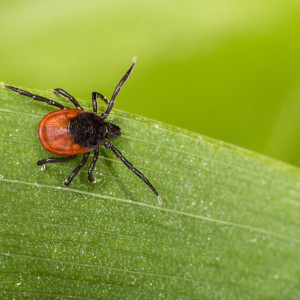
x=227 y=69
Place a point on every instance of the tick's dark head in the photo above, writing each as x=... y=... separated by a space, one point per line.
x=112 y=130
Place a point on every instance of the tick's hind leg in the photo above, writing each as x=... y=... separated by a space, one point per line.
x=34 y=97
x=55 y=159
x=68 y=96
x=75 y=172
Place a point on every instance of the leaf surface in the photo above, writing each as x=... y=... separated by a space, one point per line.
x=228 y=227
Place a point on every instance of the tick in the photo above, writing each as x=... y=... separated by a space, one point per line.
x=72 y=132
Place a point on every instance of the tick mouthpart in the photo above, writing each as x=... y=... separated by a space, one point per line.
x=113 y=130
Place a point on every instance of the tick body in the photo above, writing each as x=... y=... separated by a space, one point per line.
x=74 y=132
x=54 y=133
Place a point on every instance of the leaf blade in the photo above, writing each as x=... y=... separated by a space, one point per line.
x=228 y=227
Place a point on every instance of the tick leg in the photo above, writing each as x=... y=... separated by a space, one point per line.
x=135 y=171
x=35 y=97
x=96 y=95
x=75 y=172
x=68 y=96
x=117 y=91
x=92 y=166
x=55 y=159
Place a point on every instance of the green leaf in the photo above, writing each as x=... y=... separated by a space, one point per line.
x=228 y=227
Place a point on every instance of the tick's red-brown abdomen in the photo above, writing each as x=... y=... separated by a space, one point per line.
x=54 y=133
